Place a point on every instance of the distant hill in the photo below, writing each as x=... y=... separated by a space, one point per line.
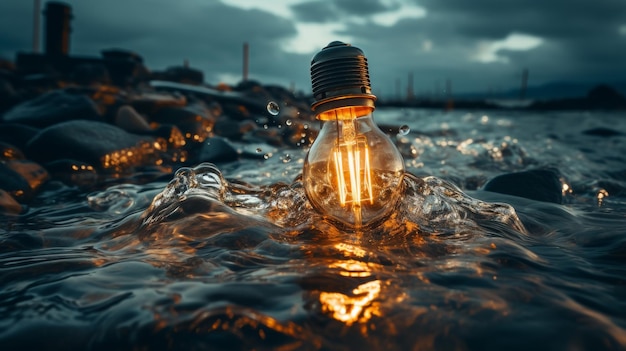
x=553 y=90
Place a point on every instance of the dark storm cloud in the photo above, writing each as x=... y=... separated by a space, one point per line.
x=207 y=33
x=315 y=11
x=361 y=7
x=551 y=18
x=580 y=39
x=335 y=10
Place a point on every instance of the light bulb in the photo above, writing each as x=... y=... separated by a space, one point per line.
x=352 y=172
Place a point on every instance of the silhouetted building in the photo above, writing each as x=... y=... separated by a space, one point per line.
x=58 y=16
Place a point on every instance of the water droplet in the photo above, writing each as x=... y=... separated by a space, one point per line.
x=286 y=158
x=288 y=122
x=273 y=108
x=404 y=130
x=259 y=150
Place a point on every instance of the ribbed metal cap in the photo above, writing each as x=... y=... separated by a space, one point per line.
x=339 y=77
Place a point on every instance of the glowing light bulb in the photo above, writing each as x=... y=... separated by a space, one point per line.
x=353 y=172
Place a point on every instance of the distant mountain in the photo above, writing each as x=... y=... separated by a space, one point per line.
x=552 y=90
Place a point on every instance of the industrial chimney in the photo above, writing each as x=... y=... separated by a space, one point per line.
x=58 y=16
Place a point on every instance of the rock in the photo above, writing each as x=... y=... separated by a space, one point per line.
x=125 y=67
x=51 y=108
x=235 y=104
x=8 y=96
x=91 y=74
x=605 y=97
x=602 y=132
x=217 y=150
x=22 y=178
x=538 y=184
x=9 y=152
x=102 y=145
x=227 y=128
x=17 y=134
x=181 y=74
x=194 y=121
x=73 y=172
x=150 y=102
x=131 y=121
x=8 y=205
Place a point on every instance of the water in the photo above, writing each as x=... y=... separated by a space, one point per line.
x=235 y=258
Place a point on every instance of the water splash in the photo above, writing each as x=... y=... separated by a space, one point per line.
x=431 y=204
x=273 y=108
x=404 y=130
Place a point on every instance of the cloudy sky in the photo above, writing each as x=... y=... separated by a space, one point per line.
x=478 y=45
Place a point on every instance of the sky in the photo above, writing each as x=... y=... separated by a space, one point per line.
x=477 y=45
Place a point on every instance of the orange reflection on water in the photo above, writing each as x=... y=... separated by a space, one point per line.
x=360 y=307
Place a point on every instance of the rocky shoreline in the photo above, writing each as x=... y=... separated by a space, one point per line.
x=84 y=127
x=86 y=121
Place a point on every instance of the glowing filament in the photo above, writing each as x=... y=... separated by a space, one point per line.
x=351 y=158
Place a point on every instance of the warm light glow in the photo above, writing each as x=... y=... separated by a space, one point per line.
x=356 y=308
x=352 y=171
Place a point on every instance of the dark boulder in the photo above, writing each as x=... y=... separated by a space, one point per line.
x=602 y=132
x=605 y=97
x=91 y=74
x=73 y=172
x=51 y=108
x=217 y=150
x=96 y=143
x=537 y=184
x=9 y=152
x=22 y=178
x=17 y=134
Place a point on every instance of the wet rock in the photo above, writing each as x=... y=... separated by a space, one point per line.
x=538 y=184
x=605 y=97
x=8 y=96
x=194 y=121
x=10 y=152
x=73 y=172
x=234 y=104
x=217 y=150
x=8 y=205
x=86 y=141
x=130 y=120
x=602 y=132
x=22 y=178
x=272 y=136
x=124 y=67
x=51 y=108
x=90 y=74
x=17 y=134
x=227 y=128
x=151 y=102
x=181 y=74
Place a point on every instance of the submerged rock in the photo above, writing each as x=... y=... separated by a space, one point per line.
x=537 y=184
x=22 y=178
x=8 y=205
x=217 y=150
x=73 y=172
x=602 y=132
x=17 y=134
x=99 y=144
x=10 y=152
x=130 y=120
x=51 y=108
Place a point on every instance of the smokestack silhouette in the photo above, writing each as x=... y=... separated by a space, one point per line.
x=58 y=16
